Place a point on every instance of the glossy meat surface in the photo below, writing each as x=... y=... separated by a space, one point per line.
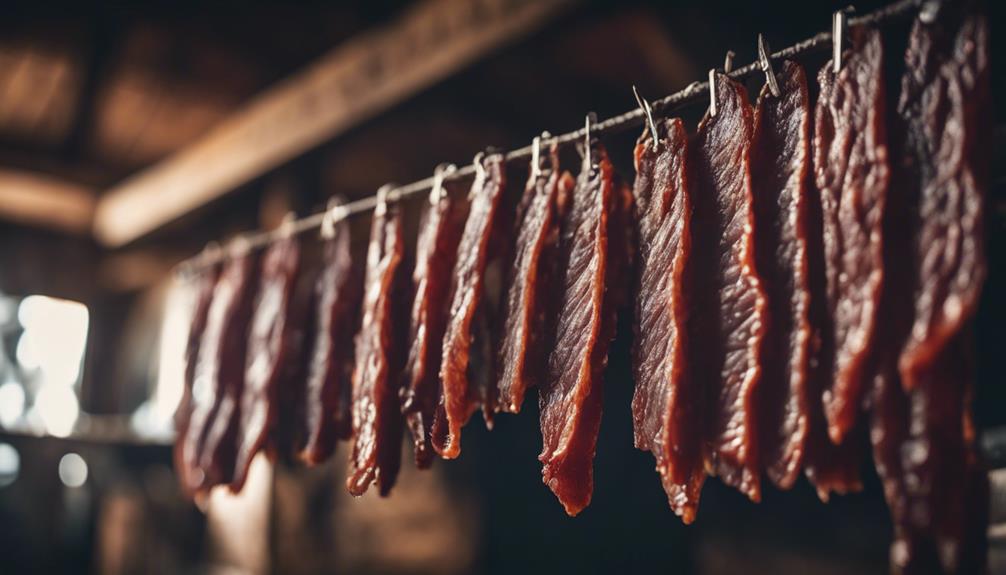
x=436 y=253
x=729 y=314
x=219 y=374
x=570 y=396
x=923 y=436
x=526 y=311
x=780 y=172
x=945 y=108
x=461 y=395
x=851 y=173
x=274 y=328
x=377 y=418
x=666 y=405
x=328 y=385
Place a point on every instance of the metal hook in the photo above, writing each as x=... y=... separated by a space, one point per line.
x=712 y=92
x=728 y=62
x=480 y=172
x=335 y=213
x=766 y=66
x=838 y=25
x=440 y=173
x=383 y=196
x=536 y=152
x=930 y=11
x=645 y=106
x=591 y=119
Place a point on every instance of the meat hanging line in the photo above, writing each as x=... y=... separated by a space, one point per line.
x=214 y=254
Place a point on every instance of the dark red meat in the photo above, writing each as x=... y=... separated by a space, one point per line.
x=193 y=296
x=437 y=251
x=526 y=309
x=851 y=172
x=729 y=314
x=219 y=376
x=328 y=388
x=923 y=437
x=945 y=109
x=377 y=417
x=462 y=396
x=570 y=397
x=271 y=347
x=666 y=406
x=780 y=174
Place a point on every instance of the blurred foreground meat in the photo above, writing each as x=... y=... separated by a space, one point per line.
x=327 y=416
x=527 y=313
x=780 y=173
x=463 y=348
x=666 y=405
x=571 y=394
x=436 y=254
x=273 y=343
x=729 y=313
x=923 y=436
x=377 y=418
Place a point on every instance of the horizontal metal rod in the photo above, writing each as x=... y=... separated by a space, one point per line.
x=616 y=124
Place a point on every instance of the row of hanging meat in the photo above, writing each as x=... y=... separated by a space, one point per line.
x=799 y=275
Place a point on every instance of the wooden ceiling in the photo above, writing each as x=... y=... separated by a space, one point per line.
x=93 y=94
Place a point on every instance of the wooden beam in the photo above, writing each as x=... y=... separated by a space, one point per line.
x=44 y=201
x=354 y=82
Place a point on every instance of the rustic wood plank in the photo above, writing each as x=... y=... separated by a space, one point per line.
x=354 y=82
x=43 y=201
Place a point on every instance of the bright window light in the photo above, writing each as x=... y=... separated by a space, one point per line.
x=57 y=407
x=11 y=403
x=55 y=334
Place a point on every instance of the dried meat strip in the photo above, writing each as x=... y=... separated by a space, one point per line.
x=275 y=325
x=377 y=418
x=462 y=396
x=945 y=108
x=780 y=171
x=328 y=387
x=666 y=405
x=436 y=254
x=219 y=375
x=570 y=396
x=851 y=173
x=191 y=299
x=923 y=437
x=729 y=315
x=526 y=309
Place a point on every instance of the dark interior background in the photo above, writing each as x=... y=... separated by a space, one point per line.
x=92 y=93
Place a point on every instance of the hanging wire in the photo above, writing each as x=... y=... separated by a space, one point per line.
x=616 y=124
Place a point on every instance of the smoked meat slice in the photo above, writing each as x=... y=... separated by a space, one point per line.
x=377 y=417
x=851 y=173
x=780 y=174
x=944 y=105
x=923 y=436
x=729 y=313
x=219 y=373
x=193 y=296
x=570 y=396
x=275 y=328
x=666 y=405
x=462 y=396
x=328 y=387
x=526 y=310
x=436 y=253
